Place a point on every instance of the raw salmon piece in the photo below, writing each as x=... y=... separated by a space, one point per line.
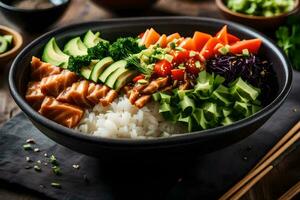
x=96 y=92
x=41 y=69
x=63 y=113
x=55 y=84
x=142 y=101
x=34 y=96
x=162 y=42
x=109 y=98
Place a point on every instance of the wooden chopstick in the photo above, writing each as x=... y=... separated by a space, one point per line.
x=285 y=138
x=281 y=146
x=252 y=182
x=292 y=192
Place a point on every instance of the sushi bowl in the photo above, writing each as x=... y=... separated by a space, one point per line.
x=193 y=143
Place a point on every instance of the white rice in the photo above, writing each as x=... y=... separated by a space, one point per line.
x=123 y=120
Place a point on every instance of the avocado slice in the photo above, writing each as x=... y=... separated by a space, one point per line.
x=3 y=45
x=90 y=39
x=8 y=38
x=99 y=68
x=53 y=55
x=110 y=81
x=124 y=78
x=86 y=71
x=75 y=47
x=110 y=69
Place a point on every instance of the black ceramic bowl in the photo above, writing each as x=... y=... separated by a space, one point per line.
x=196 y=142
x=34 y=19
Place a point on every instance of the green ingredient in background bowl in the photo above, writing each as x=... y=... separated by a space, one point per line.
x=288 y=38
x=5 y=43
x=265 y=8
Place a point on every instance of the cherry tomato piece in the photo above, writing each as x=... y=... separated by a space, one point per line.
x=178 y=74
x=139 y=77
x=180 y=57
x=163 y=68
x=191 y=66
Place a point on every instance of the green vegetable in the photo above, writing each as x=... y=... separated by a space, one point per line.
x=27 y=147
x=210 y=103
x=56 y=185
x=266 y=8
x=56 y=170
x=53 y=160
x=124 y=47
x=76 y=63
x=288 y=38
x=99 y=51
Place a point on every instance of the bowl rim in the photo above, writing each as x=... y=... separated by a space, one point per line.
x=221 y=5
x=16 y=36
x=22 y=10
x=153 y=142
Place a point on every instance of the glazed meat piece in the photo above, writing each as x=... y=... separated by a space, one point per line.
x=134 y=93
x=34 y=96
x=155 y=85
x=76 y=94
x=63 y=113
x=109 y=98
x=55 y=84
x=142 y=101
x=41 y=69
x=96 y=92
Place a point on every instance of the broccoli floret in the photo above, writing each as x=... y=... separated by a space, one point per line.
x=99 y=51
x=75 y=63
x=123 y=47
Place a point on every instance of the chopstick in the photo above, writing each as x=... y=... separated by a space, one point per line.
x=291 y=193
x=248 y=186
x=286 y=137
x=291 y=137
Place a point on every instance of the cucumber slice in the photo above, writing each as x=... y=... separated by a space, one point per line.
x=99 y=68
x=3 y=44
x=8 y=38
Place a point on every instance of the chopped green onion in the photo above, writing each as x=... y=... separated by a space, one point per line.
x=37 y=168
x=27 y=147
x=56 y=170
x=56 y=185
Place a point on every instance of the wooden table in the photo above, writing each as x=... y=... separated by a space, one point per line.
x=80 y=11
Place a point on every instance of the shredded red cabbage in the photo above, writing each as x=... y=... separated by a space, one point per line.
x=256 y=71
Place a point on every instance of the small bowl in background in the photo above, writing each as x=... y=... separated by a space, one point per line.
x=33 y=19
x=16 y=45
x=258 y=22
x=126 y=6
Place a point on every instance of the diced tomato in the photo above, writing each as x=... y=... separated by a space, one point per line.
x=252 y=45
x=191 y=66
x=188 y=43
x=180 y=57
x=151 y=38
x=178 y=74
x=162 y=41
x=208 y=49
x=163 y=68
x=232 y=39
x=222 y=35
x=200 y=39
x=139 y=77
x=173 y=36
